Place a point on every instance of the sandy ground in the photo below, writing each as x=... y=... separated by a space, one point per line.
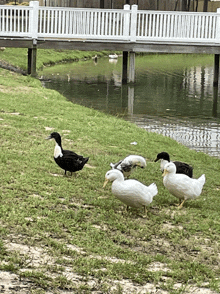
x=37 y=258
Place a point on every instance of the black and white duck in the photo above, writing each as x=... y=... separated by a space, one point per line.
x=129 y=164
x=180 y=185
x=66 y=159
x=181 y=167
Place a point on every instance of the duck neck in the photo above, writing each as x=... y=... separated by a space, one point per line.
x=58 y=141
x=162 y=163
x=120 y=178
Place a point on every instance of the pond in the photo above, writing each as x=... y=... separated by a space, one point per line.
x=173 y=94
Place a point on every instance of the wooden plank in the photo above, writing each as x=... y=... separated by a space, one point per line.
x=16 y=43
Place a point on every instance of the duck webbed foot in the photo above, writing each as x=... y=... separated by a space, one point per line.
x=181 y=204
x=70 y=173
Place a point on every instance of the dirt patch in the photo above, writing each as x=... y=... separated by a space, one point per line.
x=39 y=259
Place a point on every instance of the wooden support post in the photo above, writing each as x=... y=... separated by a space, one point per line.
x=29 y=61
x=216 y=70
x=130 y=100
x=132 y=67
x=215 y=102
x=125 y=68
x=34 y=61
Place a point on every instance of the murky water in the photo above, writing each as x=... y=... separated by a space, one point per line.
x=173 y=95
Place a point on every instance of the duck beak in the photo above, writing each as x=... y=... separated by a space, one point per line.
x=165 y=172
x=156 y=160
x=105 y=183
x=139 y=164
x=48 y=138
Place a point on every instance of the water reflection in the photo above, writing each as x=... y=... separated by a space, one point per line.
x=173 y=95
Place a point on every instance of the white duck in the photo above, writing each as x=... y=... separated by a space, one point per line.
x=180 y=185
x=129 y=164
x=130 y=192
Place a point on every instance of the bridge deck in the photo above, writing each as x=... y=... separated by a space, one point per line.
x=112 y=45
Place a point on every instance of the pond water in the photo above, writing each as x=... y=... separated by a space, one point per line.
x=173 y=94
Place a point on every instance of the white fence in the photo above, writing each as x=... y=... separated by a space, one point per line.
x=125 y=24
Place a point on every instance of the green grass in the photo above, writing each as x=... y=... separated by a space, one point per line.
x=18 y=56
x=71 y=225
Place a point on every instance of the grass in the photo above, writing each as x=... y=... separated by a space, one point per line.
x=45 y=57
x=68 y=233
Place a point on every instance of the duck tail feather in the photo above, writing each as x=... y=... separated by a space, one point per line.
x=202 y=179
x=153 y=189
x=86 y=160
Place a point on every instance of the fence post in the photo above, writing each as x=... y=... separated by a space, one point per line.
x=218 y=26
x=126 y=21
x=133 y=23
x=33 y=22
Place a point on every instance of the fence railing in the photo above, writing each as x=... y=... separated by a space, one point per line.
x=128 y=24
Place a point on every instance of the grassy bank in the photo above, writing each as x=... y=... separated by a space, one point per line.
x=18 y=56
x=62 y=234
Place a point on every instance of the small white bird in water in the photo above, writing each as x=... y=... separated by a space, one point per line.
x=113 y=56
x=131 y=192
x=180 y=185
x=129 y=164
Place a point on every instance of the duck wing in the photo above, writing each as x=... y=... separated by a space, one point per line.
x=116 y=165
x=127 y=166
x=183 y=168
x=71 y=161
x=71 y=153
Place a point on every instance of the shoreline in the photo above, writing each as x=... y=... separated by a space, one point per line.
x=61 y=234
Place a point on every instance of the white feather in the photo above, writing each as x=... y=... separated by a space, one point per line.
x=57 y=151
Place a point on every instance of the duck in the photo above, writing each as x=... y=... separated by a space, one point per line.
x=131 y=192
x=113 y=56
x=181 y=167
x=66 y=159
x=95 y=58
x=180 y=185
x=129 y=164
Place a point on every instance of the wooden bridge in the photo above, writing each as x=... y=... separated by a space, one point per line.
x=128 y=30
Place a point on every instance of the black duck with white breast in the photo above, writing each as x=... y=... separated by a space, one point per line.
x=66 y=159
x=181 y=167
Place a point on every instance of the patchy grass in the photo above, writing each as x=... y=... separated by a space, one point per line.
x=61 y=234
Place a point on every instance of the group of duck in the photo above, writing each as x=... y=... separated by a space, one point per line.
x=177 y=176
